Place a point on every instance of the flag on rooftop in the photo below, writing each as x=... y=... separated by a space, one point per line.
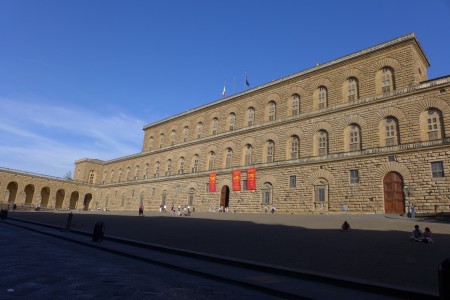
x=246 y=80
x=224 y=92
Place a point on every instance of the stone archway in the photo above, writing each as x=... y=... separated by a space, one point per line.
x=45 y=196
x=225 y=197
x=87 y=201
x=394 y=199
x=11 y=192
x=29 y=193
x=73 y=200
x=60 y=194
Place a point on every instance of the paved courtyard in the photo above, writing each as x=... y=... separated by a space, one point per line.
x=376 y=250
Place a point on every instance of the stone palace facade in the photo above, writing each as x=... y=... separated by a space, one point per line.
x=367 y=133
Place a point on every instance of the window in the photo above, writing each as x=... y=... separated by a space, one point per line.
x=293 y=181
x=228 y=158
x=272 y=109
x=185 y=133
x=181 y=166
x=244 y=184
x=322 y=97
x=392 y=158
x=251 y=116
x=352 y=88
x=270 y=151
x=199 y=130
x=248 y=155
x=267 y=194
x=215 y=126
x=195 y=167
x=191 y=197
x=136 y=173
x=433 y=124
x=354 y=138
x=323 y=142
x=112 y=176
x=91 y=177
x=120 y=175
x=212 y=158
x=169 y=167
x=173 y=136
x=232 y=119
x=386 y=80
x=151 y=143
x=295 y=104
x=128 y=173
x=294 y=147
x=391 y=131
x=161 y=140
x=207 y=187
x=437 y=169
x=147 y=167
x=153 y=191
x=354 y=176
x=157 y=169
x=320 y=193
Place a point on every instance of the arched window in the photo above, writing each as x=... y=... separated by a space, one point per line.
x=137 y=173
x=163 y=198
x=215 y=126
x=250 y=116
x=128 y=173
x=352 y=88
x=169 y=167
x=272 y=110
x=151 y=143
x=391 y=131
x=195 y=164
x=228 y=158
x=354 y=137
x=199 y=130
x=120 y=174
x=232 y=120
x=322 y=141
x=147 y=167
x=191 y=195
x=157 y=169
x=322 y=97
x=104 y=177
x=181 y=166
x=387 y=80
x=270 y=151
x=91 y=177
x=112 y=176
x=294 y=146
x=185 y=133
x=173 y=137
x=433 y=124
x=211 y=159
x=248 y=155
x=161 y=140
x=266 y=192
x=295 y=104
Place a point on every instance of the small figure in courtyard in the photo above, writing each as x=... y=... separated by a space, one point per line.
x=416 y=234
x=427 y=236
x=141 y=210
x=413 y=212
x=15 y=206
x=266 y=209
x=345 y=226
x=272 y=211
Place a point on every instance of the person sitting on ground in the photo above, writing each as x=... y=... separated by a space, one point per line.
x=416 y=234
x=345 y=226
x=427 y=236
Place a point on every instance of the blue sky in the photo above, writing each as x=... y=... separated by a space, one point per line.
x=81 y=78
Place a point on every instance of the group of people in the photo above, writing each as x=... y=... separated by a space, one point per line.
x=185 y=210
x=419 y=236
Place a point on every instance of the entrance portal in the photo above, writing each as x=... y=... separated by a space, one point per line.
x=394 y=201
x=224 y=197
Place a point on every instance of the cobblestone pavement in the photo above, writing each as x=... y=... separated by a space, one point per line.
x=36 y=266
x=377 y=249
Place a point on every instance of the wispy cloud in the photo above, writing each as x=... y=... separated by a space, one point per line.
x=47 y=139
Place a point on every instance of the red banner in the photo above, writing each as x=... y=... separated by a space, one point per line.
x=251 y=179
x=212 y=182
x=236 y=178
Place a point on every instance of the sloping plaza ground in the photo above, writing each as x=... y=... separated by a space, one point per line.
x=376 y=250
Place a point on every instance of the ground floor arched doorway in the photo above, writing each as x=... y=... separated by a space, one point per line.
x=394 y=200
x=60 y=194
x=225 y=197
x=73 y=200
x=87 y=201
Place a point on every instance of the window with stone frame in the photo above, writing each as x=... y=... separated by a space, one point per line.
x=354 y=176
x=212 y=158
x=352 y=88
x=215 y=126
x=295 y=104
x=173 y=137
x=391 y=127
x=229 y=158
x=433 y=124
x=322 y=141
x=354 y=138
x=151 y=143
x=320 y=192
x=323 y=95
x=128 y=173
x=161 y=140
x=437 y=169
x=199 y=130
x=292 y=181
x=232 y=121
x=147 y=168
x=267 y=194
x=195 y=164
x=386 y=80
x=248 y=155
x=191 y=195
x=136 y=173
x=112 y=176
x=272 y=110
x=169 y=167
x=181 y=166
x=270 y=151
x=120 y=175
x=91 y=177
x=244 y=184
x=185 y=133
x=294 y=146
x=250 y=116
x=157 y=169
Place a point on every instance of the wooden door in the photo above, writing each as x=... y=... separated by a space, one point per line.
x=394 y=201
